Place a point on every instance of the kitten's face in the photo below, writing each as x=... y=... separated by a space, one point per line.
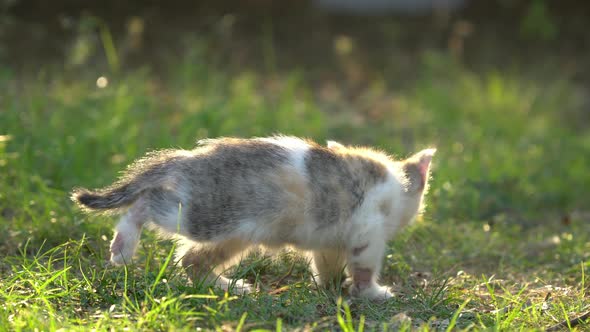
x=416 y=170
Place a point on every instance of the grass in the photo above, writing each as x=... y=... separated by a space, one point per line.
x=503 y=245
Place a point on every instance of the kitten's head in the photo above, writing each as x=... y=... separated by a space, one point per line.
x=417 y=172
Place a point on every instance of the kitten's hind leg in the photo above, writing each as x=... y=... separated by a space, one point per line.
x=328 y=265
x=206 y=262
x=127 y=233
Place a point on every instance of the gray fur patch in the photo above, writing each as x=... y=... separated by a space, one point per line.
x=231 y=183
x=339 y=182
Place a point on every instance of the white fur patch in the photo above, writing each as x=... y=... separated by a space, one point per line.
x=297 y=148
x=125 y=241
x=173 y=222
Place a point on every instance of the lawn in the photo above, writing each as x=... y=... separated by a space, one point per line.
x=504 y=243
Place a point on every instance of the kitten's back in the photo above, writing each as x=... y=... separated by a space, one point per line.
x=237 y=180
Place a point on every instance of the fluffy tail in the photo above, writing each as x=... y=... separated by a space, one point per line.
x=106 y=199
x=146 y=173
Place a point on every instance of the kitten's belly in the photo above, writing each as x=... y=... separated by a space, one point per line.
x=298 y=232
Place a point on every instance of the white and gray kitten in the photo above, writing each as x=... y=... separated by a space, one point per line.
x=227 y=195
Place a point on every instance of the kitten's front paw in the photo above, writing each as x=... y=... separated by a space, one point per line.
x=383 y=293
x=375 y=292
x=241 y=287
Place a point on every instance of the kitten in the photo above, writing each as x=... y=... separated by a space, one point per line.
x=229 y=194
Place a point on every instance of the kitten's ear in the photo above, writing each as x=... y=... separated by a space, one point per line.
x=416 y=169
x=423 y=160
x=334 y=145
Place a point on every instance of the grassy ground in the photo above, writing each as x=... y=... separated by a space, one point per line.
x=504 y=244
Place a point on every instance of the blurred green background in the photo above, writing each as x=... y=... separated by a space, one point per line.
x=501 y=88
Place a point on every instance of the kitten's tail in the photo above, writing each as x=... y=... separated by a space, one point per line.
x=107 y=199
x=145 y=174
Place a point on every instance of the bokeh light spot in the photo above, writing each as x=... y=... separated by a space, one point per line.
x=102 y=82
